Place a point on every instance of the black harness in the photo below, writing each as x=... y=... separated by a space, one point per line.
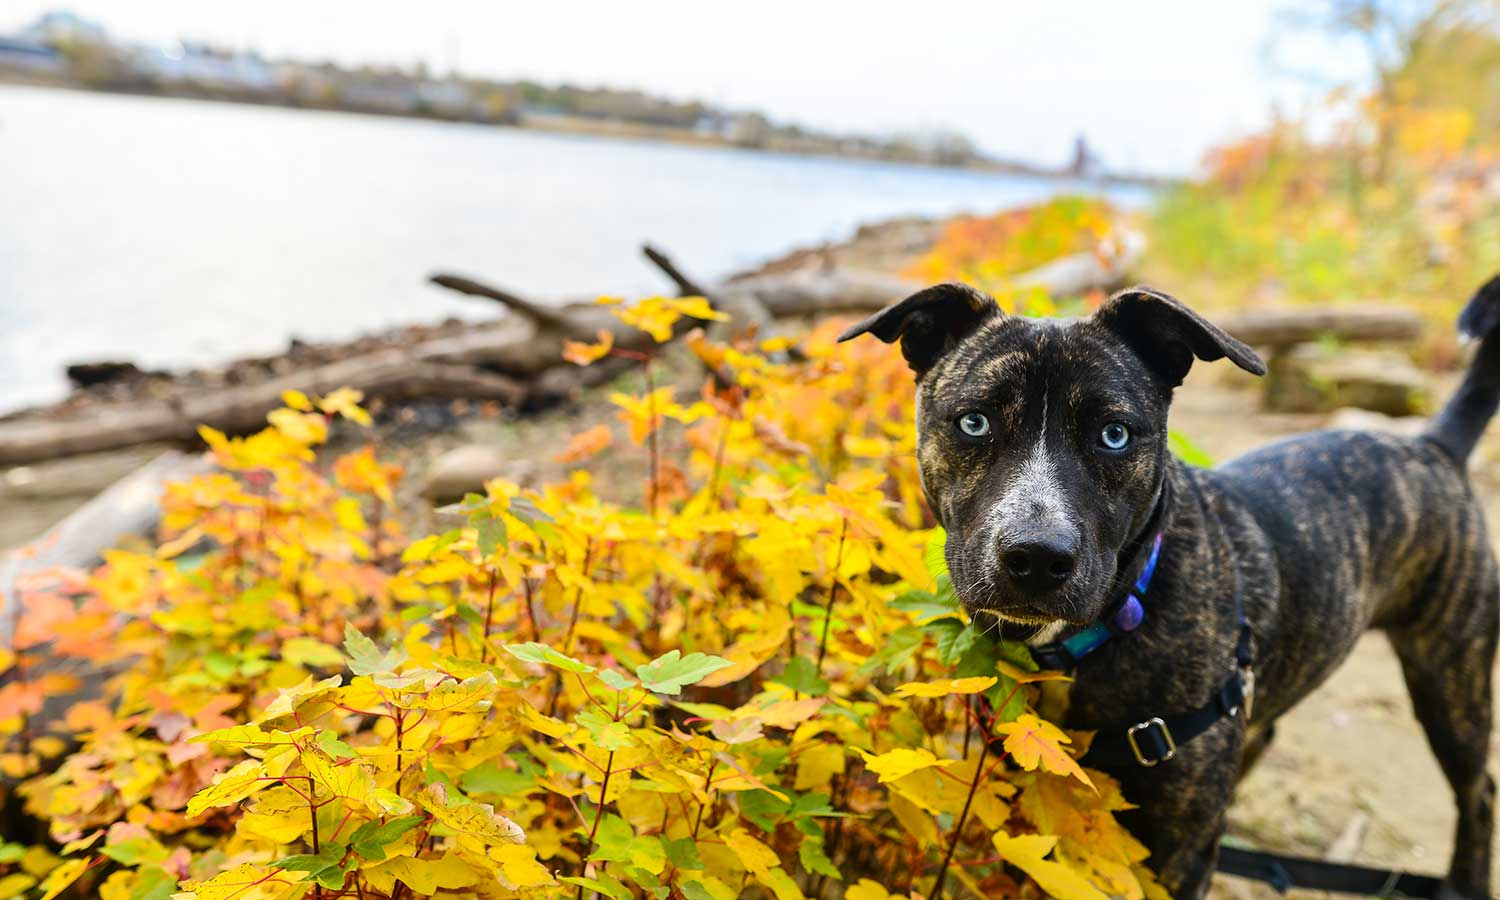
x=1155 y=740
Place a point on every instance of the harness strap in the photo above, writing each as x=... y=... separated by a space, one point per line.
x=1155 y=740
x=1285 y=872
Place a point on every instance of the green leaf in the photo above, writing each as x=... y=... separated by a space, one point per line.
x=365 y=658
x=153 y=883
x=707 y=887
x=682 y=852
x=954 y=639
x=489 y=778
x=616 y=680
x=1187 y=451
x=815 y=858
x=801 y=675
x=937 y=564
x=763 y=808
x=324 y=867
x=1017 y=654
x=604 y=885
x=616 y=841
x=928 y=605
x=370 y=839
x=671 y=672
x=541 y=653
x=491 y=530
x=335 y=747
x=606 y=733
x=431 y=546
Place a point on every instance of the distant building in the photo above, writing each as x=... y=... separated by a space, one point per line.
x=19 y=54
x=202 y=66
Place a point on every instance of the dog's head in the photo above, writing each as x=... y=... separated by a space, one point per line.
x=1042 y=443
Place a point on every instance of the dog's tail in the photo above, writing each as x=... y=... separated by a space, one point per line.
x=1458 y=427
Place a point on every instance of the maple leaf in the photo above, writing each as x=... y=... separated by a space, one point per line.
x=476 y=823
x=671 y=672
x=585 y=444
x=581 y=354
x=902 y=761
x=1035 y=743
x=1028 y=852
x=944 y=687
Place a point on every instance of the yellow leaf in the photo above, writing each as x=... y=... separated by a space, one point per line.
x=1034 y=743
x=61 y=877
x=519 y=864
x=351 y=782
x=250 y=736
x=304 y=428
x=781 y=884
x=1021 y=676
x=865 y=889
x=230 y=787
x=788 y=713
x=817 y=765
x=1028 y=852
x=755 y=856
x=903 y=761
x=296 y=400
x=427 y=876
x=946 y=686
x=478 y=823
x=15 y=884
x=244 y=882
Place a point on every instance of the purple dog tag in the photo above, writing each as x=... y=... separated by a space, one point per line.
x=1131 y=614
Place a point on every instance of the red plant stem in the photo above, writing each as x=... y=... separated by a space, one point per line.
x=958 y=827
x=489 y=614
x=833 y=587
x=707 y=780
x=312 y=813
x=536 y=633
x=598 y=813
x=399 y=722
x=588 y=556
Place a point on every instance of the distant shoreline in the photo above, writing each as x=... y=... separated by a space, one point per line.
x=612 y=129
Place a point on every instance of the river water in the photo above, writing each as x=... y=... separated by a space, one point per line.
x=178 y=232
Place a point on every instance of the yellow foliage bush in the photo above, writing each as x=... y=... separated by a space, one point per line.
x=755 y=685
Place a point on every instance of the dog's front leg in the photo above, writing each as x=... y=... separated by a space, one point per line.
x=1181 y=808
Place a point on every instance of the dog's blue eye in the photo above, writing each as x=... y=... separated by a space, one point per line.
x=974 y=424
x=1114 y=436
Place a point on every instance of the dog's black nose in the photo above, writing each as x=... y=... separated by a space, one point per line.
x=1040 y=562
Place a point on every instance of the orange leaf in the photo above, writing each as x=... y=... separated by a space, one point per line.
x=585 y=444
x=1033 y=743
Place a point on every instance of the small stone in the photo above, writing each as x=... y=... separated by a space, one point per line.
x=464 y=470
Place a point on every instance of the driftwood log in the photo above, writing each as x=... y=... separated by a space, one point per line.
x=516 y=361
x=1279 y=329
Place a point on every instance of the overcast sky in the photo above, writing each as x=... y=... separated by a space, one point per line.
x=1152 y=83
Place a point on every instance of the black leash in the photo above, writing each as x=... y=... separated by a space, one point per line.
x=1285 y=872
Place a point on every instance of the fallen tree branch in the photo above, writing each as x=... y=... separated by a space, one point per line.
x=391 y=374
x=543 y=316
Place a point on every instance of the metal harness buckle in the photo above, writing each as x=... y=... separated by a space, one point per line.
x=1135 y=746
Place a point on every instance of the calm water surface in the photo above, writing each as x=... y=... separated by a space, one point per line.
x=174 y=232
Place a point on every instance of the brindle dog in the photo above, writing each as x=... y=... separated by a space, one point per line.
x=1042 y=446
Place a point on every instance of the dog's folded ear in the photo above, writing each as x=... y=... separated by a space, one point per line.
x=1168 y=336
x=930 y=322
